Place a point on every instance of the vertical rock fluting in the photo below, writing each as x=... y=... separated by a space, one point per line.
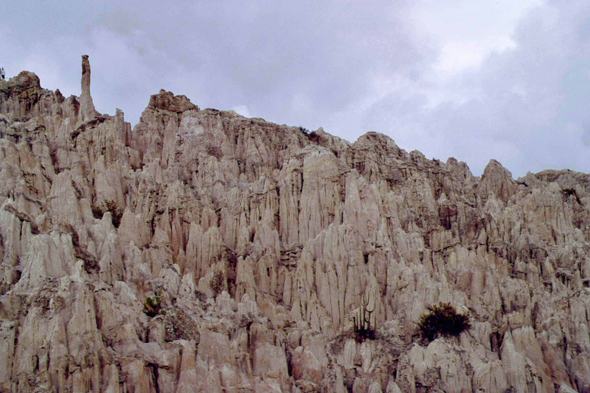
x=204 y=251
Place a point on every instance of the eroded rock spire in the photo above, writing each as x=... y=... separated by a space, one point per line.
x=86 y=105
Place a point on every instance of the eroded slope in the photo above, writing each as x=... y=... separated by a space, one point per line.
x=96 y=218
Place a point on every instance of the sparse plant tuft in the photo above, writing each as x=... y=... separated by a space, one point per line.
x=442 y=320
x=303 y=130
x=152 y=305
x=362 y=321
x=216 y=283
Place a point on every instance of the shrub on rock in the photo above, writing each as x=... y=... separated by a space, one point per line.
x=442 y=320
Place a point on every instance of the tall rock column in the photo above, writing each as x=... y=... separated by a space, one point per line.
x=86 y=104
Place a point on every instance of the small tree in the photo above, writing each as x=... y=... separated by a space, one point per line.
x=442 y=320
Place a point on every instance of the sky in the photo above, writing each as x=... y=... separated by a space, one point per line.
x=475 y=80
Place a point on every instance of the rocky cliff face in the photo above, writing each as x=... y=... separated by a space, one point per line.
x=204 y=251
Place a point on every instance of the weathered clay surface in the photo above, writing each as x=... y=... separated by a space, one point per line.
x=97 y=218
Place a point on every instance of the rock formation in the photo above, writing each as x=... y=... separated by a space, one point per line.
x=86 y=103
x=207 y=252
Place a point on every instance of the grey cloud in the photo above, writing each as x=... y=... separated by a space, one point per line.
x=324 y=64
x=224 y=54
x=527 y=106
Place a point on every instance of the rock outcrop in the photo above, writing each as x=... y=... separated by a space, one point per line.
x=203 y=251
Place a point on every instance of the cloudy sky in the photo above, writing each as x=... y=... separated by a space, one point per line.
x=474 y=80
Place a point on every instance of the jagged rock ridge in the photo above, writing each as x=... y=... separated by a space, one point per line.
x=97 y=218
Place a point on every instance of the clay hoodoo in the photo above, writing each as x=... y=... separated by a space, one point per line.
x=86 y=103
x=205 y=251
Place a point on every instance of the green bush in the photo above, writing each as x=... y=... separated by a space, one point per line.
x=442 y=320
x=152 y=305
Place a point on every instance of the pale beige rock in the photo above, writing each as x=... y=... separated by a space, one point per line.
x=86 y=104
x=109 y=239
x=306 y=366
x=189 y=381
x=269 y=361
x=7 y=340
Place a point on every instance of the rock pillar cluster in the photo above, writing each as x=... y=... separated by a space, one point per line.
x=205 y=251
